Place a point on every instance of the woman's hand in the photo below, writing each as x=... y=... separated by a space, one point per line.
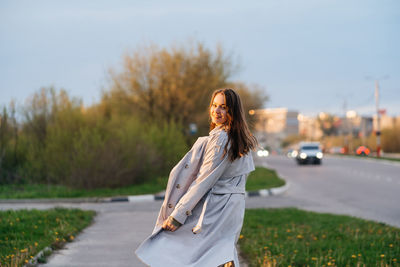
x=170 y=224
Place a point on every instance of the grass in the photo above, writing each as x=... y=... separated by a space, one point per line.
x=384 y=158
x=23 y=233
x=368 y=157
x=261 y=178
x=291 y=237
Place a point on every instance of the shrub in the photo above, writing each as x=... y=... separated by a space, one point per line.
x=120 y=152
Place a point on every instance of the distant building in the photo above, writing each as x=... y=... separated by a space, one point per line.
x=273 y=125
x=386 y=122
x=309 y=127
x=355 y=125
x=366 y=127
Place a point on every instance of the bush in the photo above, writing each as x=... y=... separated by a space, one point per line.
x=11 y=155
x=120 y=152
x=62 y=143
x=114 y=153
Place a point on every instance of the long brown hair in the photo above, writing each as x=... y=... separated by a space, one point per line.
x=239 y=135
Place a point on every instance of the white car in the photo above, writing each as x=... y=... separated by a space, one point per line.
x=262 y=153
x=309 y=152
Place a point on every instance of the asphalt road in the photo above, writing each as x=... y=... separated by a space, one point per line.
x=363 y=188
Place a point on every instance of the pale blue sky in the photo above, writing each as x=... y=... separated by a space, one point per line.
x=309 y=55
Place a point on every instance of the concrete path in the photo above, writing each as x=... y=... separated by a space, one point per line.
x=110 y=241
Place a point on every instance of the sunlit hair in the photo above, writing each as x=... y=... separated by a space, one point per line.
x=239 y=135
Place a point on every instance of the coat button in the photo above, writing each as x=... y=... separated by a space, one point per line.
x=186 y=166
x=178 y=186
x=187 y=213
x=170 y=205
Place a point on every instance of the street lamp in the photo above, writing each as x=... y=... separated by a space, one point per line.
x=378 y=121
x=378 y=115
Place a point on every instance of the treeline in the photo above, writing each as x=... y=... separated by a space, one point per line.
x=135 y=134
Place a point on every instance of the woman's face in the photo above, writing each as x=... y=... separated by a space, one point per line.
x=219 y=110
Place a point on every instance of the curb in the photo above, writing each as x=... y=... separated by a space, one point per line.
x=269 y=192
x=135 y=198
x=35 y=260
x=259 y=193
x=52 y=200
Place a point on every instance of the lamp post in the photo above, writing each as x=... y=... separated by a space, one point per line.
x=378 y=121
x=378 y=115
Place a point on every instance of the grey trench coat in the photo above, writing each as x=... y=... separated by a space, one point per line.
x=206 y=193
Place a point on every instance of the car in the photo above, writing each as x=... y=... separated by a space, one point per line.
x=337 y=150
x=362 y=151
x=262 y=153
x=309 y=152
x=291 y=153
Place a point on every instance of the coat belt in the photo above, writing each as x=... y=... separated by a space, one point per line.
x=216 y=190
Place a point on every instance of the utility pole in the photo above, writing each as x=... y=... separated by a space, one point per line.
x=378 y=121
x=346 y=127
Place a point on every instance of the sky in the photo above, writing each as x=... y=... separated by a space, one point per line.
x=308 y=55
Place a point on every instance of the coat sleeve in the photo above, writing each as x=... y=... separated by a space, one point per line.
x=213 y=166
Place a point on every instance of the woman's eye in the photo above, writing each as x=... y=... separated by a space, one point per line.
x=216 y=106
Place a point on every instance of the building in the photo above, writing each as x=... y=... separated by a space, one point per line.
x=273 y=125
x=309 y=127
x=386 y=122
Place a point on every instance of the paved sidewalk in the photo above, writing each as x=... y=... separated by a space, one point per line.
x=116 y=232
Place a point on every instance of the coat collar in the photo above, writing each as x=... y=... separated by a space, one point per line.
x=217 y=129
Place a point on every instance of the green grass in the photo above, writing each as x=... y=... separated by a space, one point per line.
x=369 y=157
x=291 y=237
x=385 y=158
x=23 y=233
x=59 y=191
x=263 y=178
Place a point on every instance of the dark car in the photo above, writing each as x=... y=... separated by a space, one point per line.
x=309 y=152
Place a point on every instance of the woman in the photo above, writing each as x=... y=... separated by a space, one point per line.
x=202 y=214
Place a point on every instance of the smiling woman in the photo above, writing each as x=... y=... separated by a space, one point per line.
x=218 y=110
x=202 y=213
